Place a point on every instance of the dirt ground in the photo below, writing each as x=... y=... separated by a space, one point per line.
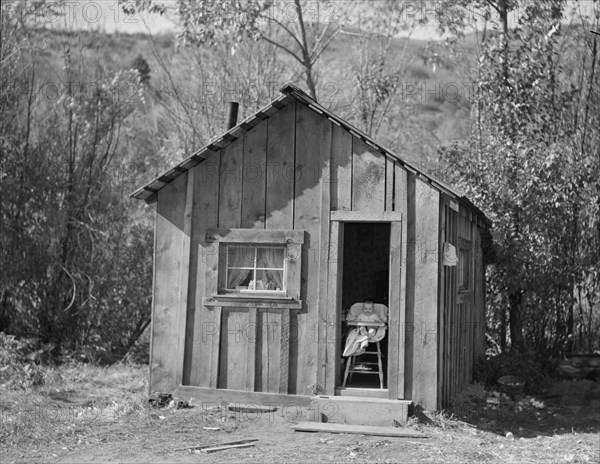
x=102 y=415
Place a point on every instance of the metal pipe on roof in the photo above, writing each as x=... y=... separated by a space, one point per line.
x=232 y=115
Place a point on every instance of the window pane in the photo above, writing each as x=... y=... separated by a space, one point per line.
x=270 y=257
x=239 y=279
x=269 y=280
x=240 y=256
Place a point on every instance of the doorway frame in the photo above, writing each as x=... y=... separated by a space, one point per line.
x=396 y=298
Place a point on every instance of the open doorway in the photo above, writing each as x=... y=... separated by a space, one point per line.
x=366 y=267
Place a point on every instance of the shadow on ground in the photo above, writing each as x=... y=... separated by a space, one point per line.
x=568 y=406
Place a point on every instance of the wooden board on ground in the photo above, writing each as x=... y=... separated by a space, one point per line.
x=226 y=447
x=215 y=445
x=250 y=408
x=357 y=429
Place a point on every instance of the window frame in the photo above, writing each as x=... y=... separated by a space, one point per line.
x=223 y=276
x=214 y=262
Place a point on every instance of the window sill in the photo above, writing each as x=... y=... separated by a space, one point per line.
x=253 y=301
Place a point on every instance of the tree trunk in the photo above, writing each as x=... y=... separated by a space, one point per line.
x=503 y=331
x=516 y=322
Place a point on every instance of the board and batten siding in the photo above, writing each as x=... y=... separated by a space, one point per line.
x=462 y=311
x=290 y=171
x=268 y=179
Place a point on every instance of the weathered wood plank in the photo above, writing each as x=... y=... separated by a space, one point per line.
x=341 y=169
x=401 y=206
x=333 y=325
x=328 y=427
x=324 y=254
x=442 y=304
x=214 y=350
x=230 y=186
x=226 y=447
x=394 y=341
x=365 y=216
x=254 y=177
x=255 y=236
x=217 y=396
x=368 y=177
x=410 y=335
x=279 y=200
x=184 y=275
x=426 y=280
x=281 y=142
x=284 y=352
x=273 y=324
x=252 y=302
x=389 y=184
x=202 y=322
x=169 y=260
x=233 y=350
x=313 y=145
x=249 y=332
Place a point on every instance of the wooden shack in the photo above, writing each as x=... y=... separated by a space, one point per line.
x=265 y=237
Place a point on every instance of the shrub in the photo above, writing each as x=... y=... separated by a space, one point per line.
x=17 y=370
x=535 y=373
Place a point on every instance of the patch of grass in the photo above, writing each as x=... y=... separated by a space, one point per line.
x=72 y=402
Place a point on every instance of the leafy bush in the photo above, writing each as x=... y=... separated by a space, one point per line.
x=536 y=374
x=17 y=370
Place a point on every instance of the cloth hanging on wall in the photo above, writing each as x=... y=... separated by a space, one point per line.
x=449 y=257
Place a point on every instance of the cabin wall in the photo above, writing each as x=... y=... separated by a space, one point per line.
x=289 y=172
x=462 y=305
x=269 y=178
x=171 y=259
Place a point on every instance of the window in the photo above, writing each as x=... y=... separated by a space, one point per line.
x=252 y=268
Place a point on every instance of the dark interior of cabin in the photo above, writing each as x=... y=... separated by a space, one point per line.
x=366 y=261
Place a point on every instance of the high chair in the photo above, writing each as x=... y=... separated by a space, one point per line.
x=351 y=367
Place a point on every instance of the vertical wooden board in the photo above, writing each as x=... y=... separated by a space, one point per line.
x=233 y=349
x=341 y=169
x=442 y=302
x=203 y=323
x=169 y=263
x=313 y=144
x=410 y=329
x=333 y=326
x=254 y=176
x=368 y=177
x=184 y=275
x=261 y=374
x=273 y=328
x=230 y=186
x=270 y=324
x=324 y=255
x=284 y=352
x=279 y=214
x=389 y=184
x=394 y=338
x=281 y=142
x=401 y=205
x=250 y=331
x=426 y=295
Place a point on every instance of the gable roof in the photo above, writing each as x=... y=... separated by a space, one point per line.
x=149 y=191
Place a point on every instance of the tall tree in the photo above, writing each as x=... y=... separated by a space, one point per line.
x=531 y=163
x=301 y=30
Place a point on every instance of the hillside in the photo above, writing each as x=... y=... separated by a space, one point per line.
x=430 y=108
